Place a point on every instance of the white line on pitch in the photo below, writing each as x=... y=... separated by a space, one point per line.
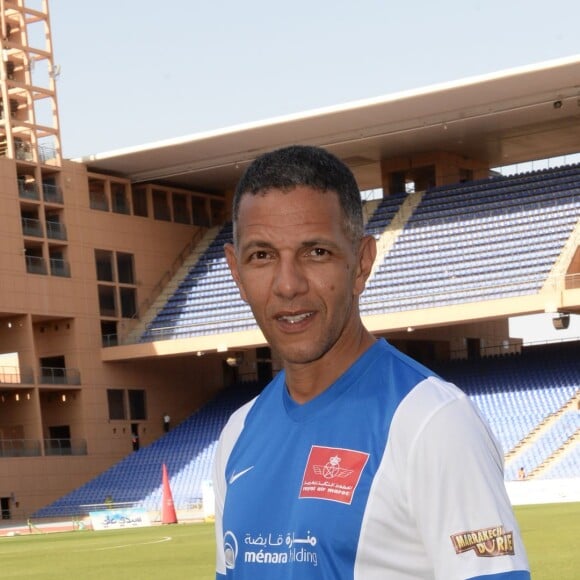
x=165 y=539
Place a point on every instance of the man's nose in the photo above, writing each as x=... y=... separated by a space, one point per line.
x=290 y=279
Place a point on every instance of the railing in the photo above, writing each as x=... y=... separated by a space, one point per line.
x=434 y=300
x=55 y=230
x=192 y=327
x=28 y=190
x=65 y=447
x=110 y=340
x=121 y=207
x=23 y=151
x=572 y=281
x=51 y=193
x=162 y=214
x=431 y=298
x=201 y=220
x=36 y=265
x=20 y=448
x=32 y=447
x=159 y=286
x=32 y=227
x=46 y=153
x=59 y=376
x=479 y=215
x=59 y=267
x=16 y=376
x=168 y=275
x=108 y=311
x=99 y=203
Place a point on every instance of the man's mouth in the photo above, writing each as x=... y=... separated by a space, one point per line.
x=294 y=318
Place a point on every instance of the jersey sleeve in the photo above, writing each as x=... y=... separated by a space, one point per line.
x=226 y=443
x=457 y=496
x=219 y=487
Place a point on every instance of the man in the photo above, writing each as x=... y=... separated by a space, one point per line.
x=355 y=461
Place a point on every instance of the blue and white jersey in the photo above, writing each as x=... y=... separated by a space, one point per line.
x=388 y=474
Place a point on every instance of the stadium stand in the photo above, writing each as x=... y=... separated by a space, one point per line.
x=552 y=438
x=566 y=467
x=478 y=241
x=464 y=243
x=205 y=301
x=534 y=395
x=514 y=393
x=187 y=451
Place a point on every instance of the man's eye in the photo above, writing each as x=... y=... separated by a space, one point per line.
x=259 y=255
x=319 y=252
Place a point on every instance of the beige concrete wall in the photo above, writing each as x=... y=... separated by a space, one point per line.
x=46 y=316
x=447 y=167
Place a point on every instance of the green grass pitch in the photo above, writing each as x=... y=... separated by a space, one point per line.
x=186 y=551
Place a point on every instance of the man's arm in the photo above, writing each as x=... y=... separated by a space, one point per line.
x=458 y=497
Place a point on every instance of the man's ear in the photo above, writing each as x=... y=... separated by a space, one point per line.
x=232 y=260
x=367 y=253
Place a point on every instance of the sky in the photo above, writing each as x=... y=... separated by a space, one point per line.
x=140 y=71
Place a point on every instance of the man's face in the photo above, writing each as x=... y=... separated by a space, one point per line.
x=300 y=272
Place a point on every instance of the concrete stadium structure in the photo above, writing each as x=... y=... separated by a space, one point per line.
x=91 y=248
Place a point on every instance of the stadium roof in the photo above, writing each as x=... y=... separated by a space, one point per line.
x=509 y=117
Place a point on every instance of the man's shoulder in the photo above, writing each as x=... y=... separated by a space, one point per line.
x=403 y=363
x=420 y=391
x=239 y=417
x=396 y=374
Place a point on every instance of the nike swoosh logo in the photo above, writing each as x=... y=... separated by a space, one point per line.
x=235 y=475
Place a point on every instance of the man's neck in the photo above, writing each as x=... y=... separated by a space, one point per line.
x=307 y=381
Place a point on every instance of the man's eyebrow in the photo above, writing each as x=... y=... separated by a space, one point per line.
x=318 y=242
x=252 y=244
x=257 y=244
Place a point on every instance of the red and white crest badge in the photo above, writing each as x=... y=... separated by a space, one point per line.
x=332 y=473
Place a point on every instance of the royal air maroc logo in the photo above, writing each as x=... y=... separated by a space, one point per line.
x=332 y=469
x=485 y=543
x=332 y=473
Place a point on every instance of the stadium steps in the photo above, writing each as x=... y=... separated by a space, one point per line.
x=172 y=285
x=552 y=439
x=386 y=240
x=207 y=300
x=517 y=392
x=369 y=208
x=564 y=260
x=539 y=430
x=560 y=453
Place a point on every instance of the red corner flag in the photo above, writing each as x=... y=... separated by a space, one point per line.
x=168 y=515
